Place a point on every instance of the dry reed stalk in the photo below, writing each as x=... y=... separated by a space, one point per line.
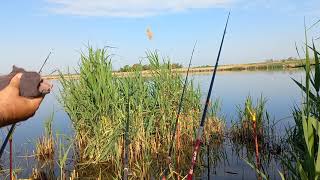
x=45 y=149
x=38 y=175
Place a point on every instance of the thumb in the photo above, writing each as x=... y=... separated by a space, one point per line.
x=15 y=81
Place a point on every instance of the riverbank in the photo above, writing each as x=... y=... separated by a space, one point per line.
x=272 y=65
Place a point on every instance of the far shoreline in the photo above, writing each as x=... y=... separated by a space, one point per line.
x=248 y=67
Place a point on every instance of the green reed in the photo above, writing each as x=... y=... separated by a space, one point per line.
x=303 y=158
x=97 y=106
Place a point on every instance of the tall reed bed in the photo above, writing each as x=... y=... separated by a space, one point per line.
x=97 y=104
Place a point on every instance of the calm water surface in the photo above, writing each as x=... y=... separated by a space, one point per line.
x=230 y=87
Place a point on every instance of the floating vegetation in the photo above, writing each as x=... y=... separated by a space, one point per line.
x=97 y=106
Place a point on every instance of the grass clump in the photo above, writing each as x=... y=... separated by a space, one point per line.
x=244 y=132
x=254 y=138
x=97 y=106
x=45 y=144
x=215 y=124
x=38 y=175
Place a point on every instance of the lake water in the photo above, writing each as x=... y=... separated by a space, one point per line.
x=230 y=87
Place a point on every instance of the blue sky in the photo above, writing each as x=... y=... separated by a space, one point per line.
x=258 y=30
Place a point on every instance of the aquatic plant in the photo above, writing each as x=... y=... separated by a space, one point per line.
x=303 y=158
x=45 y=144
x=176 y=124
x=97 y=106
x=254 y=137
x=38 y=175
x=52 y=150
x=243 y=130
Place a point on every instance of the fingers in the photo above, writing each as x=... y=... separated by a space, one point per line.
x=15 y=81
x=24 y=108
x=35 y=103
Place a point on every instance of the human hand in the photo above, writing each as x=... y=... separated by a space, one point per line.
x=15 y=108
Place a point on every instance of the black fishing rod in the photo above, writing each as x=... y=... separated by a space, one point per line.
x=178 y=114
x=5 y=142
x=204 y=114
x=44 y=63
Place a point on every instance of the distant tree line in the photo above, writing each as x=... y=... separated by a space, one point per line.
x=128 y=68
x=283 y=60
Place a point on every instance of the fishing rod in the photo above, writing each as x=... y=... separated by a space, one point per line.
x=5 y=142
x=178 y=114
x=203 y=119
x=45 y=61
x=127 y=141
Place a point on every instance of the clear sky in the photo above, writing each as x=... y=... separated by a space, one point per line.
x=259 y=30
